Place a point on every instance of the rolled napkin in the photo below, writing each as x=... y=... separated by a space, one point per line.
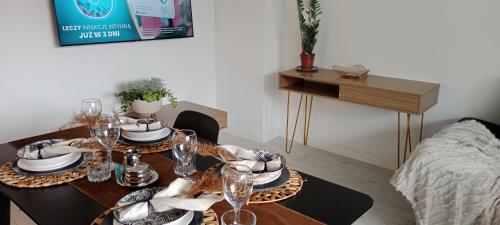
x=57 y=149
x=251 y=159
x=167 y=199
x=130 y=124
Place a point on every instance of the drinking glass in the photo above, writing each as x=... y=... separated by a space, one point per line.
x=186 y=136
x=246 y=218
x=98 y=165
x=107 y=132
x=189 y=138
x=183 y=154
x=91 y=109
x=237 y=185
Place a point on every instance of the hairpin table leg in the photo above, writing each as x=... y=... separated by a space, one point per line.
x=409 y=132
x=408 y=135
x=309 y=120
x=305 y=120
x=399 y=138
x=287 y=115
x=4 y=210
x=421 y=125
x=296 y=122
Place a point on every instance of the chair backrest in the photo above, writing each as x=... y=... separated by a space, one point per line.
x=205 y=126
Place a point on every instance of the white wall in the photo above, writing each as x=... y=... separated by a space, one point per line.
x=42 y=84
x=248 y=55
x=453 y=43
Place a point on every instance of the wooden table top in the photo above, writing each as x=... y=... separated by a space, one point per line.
x=329 y=76
x=324 y=201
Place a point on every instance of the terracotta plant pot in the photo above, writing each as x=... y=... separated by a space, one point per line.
x=145 y=108
x=307 y=61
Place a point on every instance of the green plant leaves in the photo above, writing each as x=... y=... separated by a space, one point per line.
x=150 y=90
x=309 y=26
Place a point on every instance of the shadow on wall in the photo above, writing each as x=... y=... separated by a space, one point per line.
x=493 y=105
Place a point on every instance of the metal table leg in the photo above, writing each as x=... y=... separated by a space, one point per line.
x=4 y=210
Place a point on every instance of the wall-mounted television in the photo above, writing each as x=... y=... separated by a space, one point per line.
x=104 y=21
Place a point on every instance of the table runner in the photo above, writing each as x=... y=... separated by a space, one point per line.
x=109 y=192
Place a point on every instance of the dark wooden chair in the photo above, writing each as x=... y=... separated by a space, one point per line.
x=206 y=127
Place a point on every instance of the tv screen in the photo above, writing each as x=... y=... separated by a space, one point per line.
x=103 y=21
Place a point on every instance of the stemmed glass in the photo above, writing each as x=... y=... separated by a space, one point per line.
x=91 y=109
x=189 y=139
x=186 y=136
x=237 y=185
x=107 y=132
x=183 y=154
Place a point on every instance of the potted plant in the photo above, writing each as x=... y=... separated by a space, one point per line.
x=309 y=12
x=144 y=96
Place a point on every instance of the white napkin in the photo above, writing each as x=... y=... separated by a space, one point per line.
x=57 y=149
x=170 y=198
x=249 y=158
x=130 y=124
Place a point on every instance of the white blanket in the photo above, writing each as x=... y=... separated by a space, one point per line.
x=453 y=178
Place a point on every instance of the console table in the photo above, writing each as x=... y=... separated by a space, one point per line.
x=399 y=95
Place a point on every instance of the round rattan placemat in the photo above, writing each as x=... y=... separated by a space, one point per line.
x=11 y=178
x=209 y=218
x=288 y=190
x=203 y=148
x=165 y=146
x=285 y=191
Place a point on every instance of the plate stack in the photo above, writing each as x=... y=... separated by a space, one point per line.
x=143 y=132
x=31 y=161
x=268 y=167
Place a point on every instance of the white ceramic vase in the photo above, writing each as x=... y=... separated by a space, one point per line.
x=145 y=108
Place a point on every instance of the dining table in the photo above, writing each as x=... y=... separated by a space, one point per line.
x=80 y=202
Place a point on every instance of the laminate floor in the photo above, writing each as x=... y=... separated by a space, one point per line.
x=389 y=207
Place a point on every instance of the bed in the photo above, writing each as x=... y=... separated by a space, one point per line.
x=453 y=177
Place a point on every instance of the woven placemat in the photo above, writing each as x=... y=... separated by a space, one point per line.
x=209 y=218
x=203 y=148
x=14 y=179
x=285 y=191
x=165 y=146
x=288 y=190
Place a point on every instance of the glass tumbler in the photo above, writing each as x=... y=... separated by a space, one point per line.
x=98 y=165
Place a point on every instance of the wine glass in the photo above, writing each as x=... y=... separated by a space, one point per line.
x=107 y=131
x=183 y=154
x=186 y=136
x=237 y=187
x=91 y=109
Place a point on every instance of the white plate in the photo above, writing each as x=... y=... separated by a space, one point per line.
x=264 y=178
x=184 y=220
x=146 y=136
x=42 y=165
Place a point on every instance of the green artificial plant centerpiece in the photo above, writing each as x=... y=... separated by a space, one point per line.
x=149 y=90
x=309 y=12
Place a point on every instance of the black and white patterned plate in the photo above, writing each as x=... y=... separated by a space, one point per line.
x=154 y=218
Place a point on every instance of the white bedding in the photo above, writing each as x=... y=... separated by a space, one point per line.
x=453 y=178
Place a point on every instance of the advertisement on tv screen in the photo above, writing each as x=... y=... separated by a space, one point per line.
x=103 y=21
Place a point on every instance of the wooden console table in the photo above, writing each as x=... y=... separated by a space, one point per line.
x=399 y=95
